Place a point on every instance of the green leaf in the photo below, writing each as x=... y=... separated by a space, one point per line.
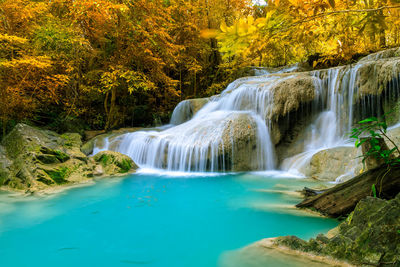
x=357 y=143
x=373 y=190
x=377 y=148
x=371 y=119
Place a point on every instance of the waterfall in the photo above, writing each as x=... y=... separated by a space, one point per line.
x=234 y=130
x=213 y=140
x=335 y=93
x=181 y=113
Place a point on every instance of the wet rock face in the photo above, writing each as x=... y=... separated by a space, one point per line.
x=186 y=109
x=291 y=93
x=369 y=236
x=33 y=159
x=240 y=144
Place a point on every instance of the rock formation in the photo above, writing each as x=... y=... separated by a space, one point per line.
x=369 y=236
x=33 y=159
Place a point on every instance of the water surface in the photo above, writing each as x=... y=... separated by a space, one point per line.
x=151 y=220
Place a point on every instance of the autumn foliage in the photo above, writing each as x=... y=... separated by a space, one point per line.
x=289 y=31
x=74 y=65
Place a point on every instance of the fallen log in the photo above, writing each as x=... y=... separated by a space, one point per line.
x=309 y=192
x=342 y=199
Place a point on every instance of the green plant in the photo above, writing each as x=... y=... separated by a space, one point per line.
x=373 y=188
x=375 y=129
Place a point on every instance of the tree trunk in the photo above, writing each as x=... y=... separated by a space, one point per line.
x=342 y=199
x=111 y=113
x=372 y=162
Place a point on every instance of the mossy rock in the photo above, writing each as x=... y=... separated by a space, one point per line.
x=5 y=164
x=115 y=162
x=370 y=236
x=35 y=159
x=59 y=175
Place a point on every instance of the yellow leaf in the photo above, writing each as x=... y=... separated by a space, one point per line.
x=223 y=27
x=314 y=64
x=250 y=20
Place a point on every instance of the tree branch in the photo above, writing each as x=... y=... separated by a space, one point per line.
x=307 y=19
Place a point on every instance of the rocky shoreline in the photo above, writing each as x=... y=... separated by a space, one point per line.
x=370 y=236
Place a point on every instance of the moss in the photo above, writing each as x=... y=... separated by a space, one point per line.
x=105 y=160
x=367 y=237
x=125 y=166
x=114 y=162
x=61 y=156
x=59 y=175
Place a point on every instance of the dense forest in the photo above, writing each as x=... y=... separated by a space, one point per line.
x=76 y=65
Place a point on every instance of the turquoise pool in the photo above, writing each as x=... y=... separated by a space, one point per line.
x=151 y=220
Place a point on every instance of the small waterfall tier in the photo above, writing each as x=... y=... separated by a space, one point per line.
x=263 y=122
x=220 y=141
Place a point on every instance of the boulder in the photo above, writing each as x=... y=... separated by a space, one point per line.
x=5 y=164
x=39 y=158
x=329 y=164
x=240 y=146
x=369 y=237
x=33 y=159
x=291 y=92
x=113 y=163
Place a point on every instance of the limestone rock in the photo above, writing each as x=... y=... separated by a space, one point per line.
x=98 y=171
x=329 y=164
x=36 y=159
x=375 y=75
x=388 y=53
x=239 y=144
x=291 y=93
x=394 y=135
x=369 y=236
x=5 y=164
x=114 y=163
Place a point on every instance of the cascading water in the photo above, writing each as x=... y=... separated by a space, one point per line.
x=182 y=113
x=335 y=93
x=213 y=139
x=233 y=131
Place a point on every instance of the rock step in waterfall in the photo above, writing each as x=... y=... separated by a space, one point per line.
x=275 y=120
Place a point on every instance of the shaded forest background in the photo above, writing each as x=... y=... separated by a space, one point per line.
x=101 y=64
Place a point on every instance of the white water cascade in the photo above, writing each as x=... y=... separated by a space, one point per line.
x=233 y=130
x=210 y=140
x=181 y=113
x=335 y=93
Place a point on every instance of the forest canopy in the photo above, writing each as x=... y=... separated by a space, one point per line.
x=76 y=65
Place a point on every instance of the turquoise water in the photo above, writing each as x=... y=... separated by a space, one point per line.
x=151 y=220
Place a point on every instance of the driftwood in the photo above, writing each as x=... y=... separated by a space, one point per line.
x=309 y=192
x=342 y=199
